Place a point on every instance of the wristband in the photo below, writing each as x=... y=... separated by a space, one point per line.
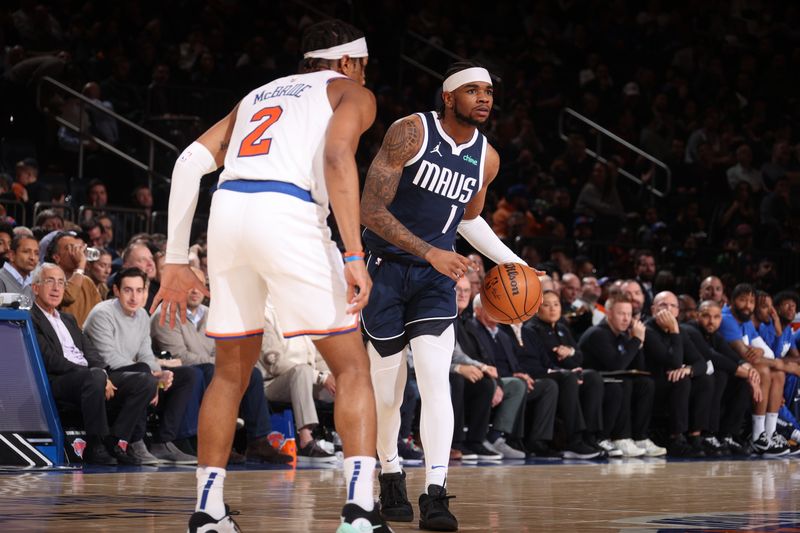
x=353 y=256
x=78 y=271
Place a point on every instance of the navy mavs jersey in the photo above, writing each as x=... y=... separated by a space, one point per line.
x=434 y=188
x=409 y=297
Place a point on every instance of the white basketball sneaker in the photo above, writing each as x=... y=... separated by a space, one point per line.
x=650 y=448
x=628 y=448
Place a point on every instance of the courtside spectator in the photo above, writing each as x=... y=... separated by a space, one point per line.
x=472 y=387
x=188 y=343
x=616 y=346
x=683 y=386
x=563 y=354
x=80 y=379
x=120 y=329
x=735 y=380
x=291 y=375
x=534 y=422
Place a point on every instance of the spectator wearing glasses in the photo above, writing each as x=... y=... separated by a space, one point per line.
x=80 y=379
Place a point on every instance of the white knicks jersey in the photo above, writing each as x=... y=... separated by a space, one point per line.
x=279 y=133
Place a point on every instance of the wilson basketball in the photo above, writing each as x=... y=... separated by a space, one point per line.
x=511 y=293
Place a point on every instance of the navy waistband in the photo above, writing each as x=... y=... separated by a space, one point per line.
x=393 y=258
x=252 y=186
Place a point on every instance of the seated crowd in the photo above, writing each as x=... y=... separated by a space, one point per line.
x=111 y=365
x=605 y=368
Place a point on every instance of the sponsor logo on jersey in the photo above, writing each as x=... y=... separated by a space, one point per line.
x=470 y=160
x=445 y=182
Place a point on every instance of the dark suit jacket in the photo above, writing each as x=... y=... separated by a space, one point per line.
x=498 y=353
x=530 y=354
x=53 y=354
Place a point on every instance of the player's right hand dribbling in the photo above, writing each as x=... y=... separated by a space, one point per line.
x=359 y=284
x=450 y=264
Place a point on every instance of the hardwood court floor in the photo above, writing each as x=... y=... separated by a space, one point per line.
x=629 y=496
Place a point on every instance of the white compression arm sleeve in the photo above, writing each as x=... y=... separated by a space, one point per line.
x=482 y=238
x=194 y=163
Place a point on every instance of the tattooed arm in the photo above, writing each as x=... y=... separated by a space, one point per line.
x=402 y=141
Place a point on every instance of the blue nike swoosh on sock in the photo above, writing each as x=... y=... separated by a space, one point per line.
x=434 y=467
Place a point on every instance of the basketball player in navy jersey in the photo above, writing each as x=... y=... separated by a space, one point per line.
x=427 y=182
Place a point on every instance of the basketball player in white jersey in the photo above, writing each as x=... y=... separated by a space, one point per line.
x=427 y=182
x=288 y=149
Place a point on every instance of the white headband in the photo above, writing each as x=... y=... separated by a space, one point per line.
x=466 y=76
x=357 y=48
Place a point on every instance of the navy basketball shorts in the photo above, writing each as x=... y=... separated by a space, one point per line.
x=407 y=301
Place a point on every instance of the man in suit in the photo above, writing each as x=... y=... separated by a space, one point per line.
x=537 y=417
x=79 y=378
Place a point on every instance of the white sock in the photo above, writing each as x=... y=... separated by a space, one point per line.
x=389 y=376
x=758 y=426
x=210 y=483
x=432 y=357
x=770 y=424
x=358 y=473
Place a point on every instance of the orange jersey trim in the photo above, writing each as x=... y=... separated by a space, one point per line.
x=241 y=335
x=336 y=331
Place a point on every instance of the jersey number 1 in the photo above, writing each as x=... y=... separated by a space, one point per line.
x=253 y=144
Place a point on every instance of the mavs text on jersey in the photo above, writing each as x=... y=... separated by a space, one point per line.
x=437 y=182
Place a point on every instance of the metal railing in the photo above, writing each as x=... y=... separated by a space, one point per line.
x=600 y=133
x=14 y=209
x=127 y=221
x=82 y=130
x=158 y=223
x=65 y=211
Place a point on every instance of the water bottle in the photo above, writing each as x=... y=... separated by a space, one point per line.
x=92 y=254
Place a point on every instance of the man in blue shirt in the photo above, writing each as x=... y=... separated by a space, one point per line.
x=769 y=327
x=738 y=331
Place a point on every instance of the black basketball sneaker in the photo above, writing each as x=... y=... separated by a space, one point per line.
x=356 y=520
x=203 y=523
x=395 y=506
x=434 y=510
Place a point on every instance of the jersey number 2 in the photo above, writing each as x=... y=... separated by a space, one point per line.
x=253 y=144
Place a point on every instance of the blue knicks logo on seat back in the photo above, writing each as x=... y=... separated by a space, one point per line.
x=445 y=182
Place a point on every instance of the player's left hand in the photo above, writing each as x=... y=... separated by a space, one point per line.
x=359 y=284
x=176 y=282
